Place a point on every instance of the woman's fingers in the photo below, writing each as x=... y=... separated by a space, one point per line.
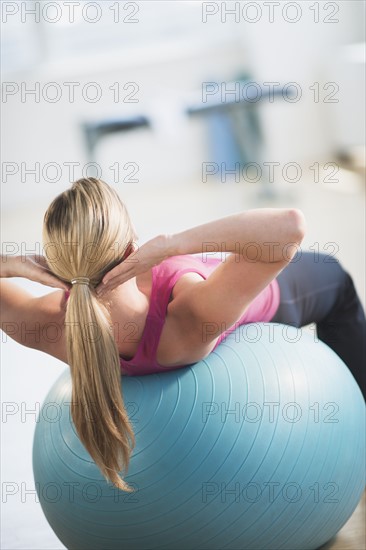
x=112 y=274
x=101 y=290
x=115 y=277
x=55 y=283
x=36 y=269
x=46 y=278
x=40 y=260
x=110 y=284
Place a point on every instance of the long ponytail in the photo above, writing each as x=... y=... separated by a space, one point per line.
x=91 y=213
x=97 y=407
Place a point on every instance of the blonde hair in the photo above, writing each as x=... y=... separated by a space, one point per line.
x=86 y=231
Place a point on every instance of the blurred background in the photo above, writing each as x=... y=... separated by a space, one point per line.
x=192 y=111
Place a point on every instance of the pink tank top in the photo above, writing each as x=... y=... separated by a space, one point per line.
x=164 y=277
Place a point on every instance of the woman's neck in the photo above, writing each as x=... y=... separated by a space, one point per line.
x=128 y=298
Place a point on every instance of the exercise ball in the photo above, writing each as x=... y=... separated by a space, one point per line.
x=261 y=445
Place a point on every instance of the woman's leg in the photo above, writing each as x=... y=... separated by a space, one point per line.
x=316 y=289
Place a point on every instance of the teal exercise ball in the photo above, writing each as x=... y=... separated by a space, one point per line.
x=261 y=445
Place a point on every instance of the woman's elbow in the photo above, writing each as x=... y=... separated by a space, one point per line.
x=297 y=225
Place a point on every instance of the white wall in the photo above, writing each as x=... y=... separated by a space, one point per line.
x=306 y=52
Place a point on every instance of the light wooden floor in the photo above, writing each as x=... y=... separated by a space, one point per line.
x=352 y=536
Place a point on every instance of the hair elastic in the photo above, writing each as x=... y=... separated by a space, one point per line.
x=80 y=281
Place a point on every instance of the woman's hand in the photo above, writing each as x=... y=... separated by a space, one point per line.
x=151 y=253
x=33 y=267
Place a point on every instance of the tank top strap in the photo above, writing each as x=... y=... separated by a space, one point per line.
x=160 y=291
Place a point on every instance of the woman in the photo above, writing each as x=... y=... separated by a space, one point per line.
x=164 y=305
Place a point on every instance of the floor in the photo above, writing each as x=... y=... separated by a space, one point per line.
x=352 y=536
x=336 y=224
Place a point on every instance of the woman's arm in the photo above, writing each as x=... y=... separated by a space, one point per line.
x=7 y=266
x=34 y=322
x=257 y=235
x=25 y=318
x=32 y=267
x=260 y=235
x=18 y=313
x=220 y=300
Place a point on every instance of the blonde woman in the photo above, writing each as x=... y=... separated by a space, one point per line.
x=164 y=305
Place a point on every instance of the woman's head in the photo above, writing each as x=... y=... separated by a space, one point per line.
x=86 y=232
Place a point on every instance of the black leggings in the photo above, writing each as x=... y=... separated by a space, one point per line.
x=316 y=289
